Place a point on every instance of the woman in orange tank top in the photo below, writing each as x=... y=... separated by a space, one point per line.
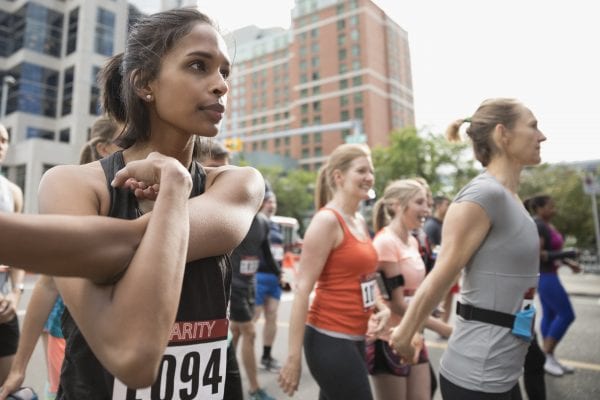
x=338 y=257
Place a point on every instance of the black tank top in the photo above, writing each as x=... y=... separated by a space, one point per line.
x=198 y=337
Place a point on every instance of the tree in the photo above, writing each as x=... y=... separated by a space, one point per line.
x=410 y=153
x=294 y=190
x=564 y=184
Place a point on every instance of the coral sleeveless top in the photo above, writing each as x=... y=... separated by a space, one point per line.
x=345 y=292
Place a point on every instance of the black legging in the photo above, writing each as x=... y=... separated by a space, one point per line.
x=233 y=379
x=450 y=391
x=338 y=366
x=533 y=372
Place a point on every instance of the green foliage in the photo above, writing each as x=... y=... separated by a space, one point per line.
x=294 y=190
x=573 y=206
x=443 y=164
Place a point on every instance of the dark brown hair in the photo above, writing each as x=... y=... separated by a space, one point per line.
x=125 y=74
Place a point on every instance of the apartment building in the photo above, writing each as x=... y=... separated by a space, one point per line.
x=53 y=49
x=341 y=73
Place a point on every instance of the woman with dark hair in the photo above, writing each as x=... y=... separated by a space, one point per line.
x=488 y=233
x=557 y=311
x=160 y=327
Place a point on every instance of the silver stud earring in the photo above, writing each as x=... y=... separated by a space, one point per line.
x=148 y=97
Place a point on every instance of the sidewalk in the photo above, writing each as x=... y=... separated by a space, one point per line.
x=582 y=284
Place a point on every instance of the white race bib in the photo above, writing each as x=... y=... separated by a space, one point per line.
x=367 y=288
x=249 y=265
x=187 y=371
x=277 y=252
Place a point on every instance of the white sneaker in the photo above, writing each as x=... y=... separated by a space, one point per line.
x=567 y=369
x=552 y=366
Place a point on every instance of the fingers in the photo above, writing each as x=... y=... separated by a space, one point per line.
x=287 y=381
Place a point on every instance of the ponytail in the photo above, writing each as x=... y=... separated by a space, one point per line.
x=380 y=215
x=111 y=81
x=452 y=132
x=322 y=191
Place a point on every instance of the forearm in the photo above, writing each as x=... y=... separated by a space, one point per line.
x=145 y=299
x=40 y=305
x=297 y=325
x=42 y=243
x=427 y=297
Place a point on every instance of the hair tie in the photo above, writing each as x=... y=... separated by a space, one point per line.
x=468 y=119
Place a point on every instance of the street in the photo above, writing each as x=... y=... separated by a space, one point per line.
x=580 y=348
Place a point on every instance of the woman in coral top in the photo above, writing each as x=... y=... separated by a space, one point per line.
x=401 y=209
x=338 y=257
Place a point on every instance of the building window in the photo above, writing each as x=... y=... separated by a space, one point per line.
x=304 y=139
x=342 y=53
x=358 y=113
x=317 y=137
x=318 y=152
x=20 y=176
x=358 y=97
x=344 y=116
x=317 y=106
x=72 y=30
x=67 y=100
x=95 y=93
x=343 y=68
x=64 y=135
x=316 y=90
x=357 y=81
x=315 y=76
x=355 y=50
x=314 y=33
x=304 y=108
x=315 y=62
x=105 y=28
x=341 y=24
x=341 y=39
x=39 y=133
x=36 y=90
x=317 y=120
x=344 y=84
x=305 y=153
x=37 y=28
x=286 y=141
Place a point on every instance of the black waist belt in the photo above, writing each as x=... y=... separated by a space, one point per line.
x=472 y=313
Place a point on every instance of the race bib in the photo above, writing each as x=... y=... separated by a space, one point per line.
x=277 y=252
x=367 y=288
x=189 y=370
x=249 y=265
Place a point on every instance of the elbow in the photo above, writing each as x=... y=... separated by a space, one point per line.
x=138 y=366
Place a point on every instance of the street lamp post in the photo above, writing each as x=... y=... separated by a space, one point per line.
x=7 y=82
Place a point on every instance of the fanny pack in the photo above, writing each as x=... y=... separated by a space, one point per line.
x=520 y=324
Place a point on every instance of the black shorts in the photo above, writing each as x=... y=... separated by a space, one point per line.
x=242 y=304
x=9 y=337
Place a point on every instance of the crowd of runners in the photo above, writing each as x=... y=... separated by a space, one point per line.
x=157 y=257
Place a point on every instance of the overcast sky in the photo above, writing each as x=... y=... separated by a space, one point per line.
x=542 y=52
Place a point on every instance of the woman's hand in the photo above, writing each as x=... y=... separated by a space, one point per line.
x=289 y=375
x=144 y=176
x=407 y=350
x=13 y=382
x=378 y=321
x=574 y=265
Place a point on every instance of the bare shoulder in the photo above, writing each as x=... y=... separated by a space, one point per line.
x=84 y=186
x=325 y=222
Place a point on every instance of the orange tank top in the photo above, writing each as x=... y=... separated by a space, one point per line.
x=342 y=303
